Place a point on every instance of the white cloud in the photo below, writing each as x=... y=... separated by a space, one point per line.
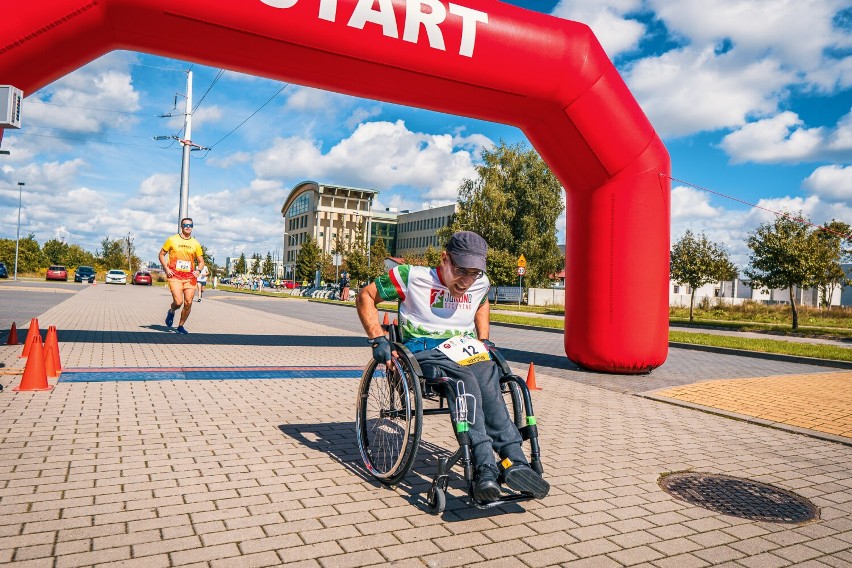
x=796 y=33
x=688 y=90
x=783 y=138
x=378 y=155
x=688 y=203
x=616 y=33
x=780 y=138
x=308 y=99
x=231 y=159
x=832 y=182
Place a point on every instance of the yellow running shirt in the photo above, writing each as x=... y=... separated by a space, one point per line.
x=182 y=254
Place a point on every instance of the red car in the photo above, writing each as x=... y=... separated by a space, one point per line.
x=56 y=272
x=141 y=277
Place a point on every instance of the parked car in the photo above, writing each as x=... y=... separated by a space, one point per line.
x=84 y=274
x=141 y=277
x=116 y=277
x=56 y=272
x=3 y=272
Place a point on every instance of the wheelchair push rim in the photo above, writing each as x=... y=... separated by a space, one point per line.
x=388 y=420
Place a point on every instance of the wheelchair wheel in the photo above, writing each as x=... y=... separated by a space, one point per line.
x=515 y=403
x=436 y=500
x=389 y=420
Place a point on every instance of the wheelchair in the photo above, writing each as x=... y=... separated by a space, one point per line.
x=389 y=420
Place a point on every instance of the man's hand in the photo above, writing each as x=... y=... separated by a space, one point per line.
x=381 y=349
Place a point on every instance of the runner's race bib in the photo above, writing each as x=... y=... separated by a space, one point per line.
x=464 y=350
x=183 y=266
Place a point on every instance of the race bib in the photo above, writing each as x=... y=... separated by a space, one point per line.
x=183 y=266
x=464 y=350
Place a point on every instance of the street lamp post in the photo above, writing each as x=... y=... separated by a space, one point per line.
x=18 y=237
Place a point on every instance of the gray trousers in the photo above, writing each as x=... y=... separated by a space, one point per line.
x=493 y=429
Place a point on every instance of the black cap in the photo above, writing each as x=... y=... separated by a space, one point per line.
x=468 y=250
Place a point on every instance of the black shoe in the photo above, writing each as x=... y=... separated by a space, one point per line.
x=524 y=479
x=486 y=488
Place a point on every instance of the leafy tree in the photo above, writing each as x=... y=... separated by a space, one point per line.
x=240 y=265
x=30 y=256
x=112 y=256
x=783 y=257
x=502 y=267
x=56 y=251
x=378 y=254
x=268 y=265
x=699 y=261
x=514 y=205
x=431 y=257
x=830 y=254
x=310 y=256
x=75 y=256
x=255 y=264
x=356 y=257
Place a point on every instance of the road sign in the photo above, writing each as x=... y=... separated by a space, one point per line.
x=522 y=262
x=521 y=270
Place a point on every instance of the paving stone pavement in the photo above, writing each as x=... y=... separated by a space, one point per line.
x=267 y=473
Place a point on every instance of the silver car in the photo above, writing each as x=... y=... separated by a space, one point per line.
x=116 y=277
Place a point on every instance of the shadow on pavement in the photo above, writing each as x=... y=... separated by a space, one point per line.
x=338 y=440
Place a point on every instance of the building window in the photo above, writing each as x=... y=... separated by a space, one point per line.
x=676 y=289
x=300 y=205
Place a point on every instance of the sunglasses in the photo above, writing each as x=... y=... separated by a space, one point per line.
x=464 y=272
x=187 y=225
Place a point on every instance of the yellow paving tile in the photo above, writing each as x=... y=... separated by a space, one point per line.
x=821 y=402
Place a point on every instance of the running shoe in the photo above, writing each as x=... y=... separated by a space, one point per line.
x=170 y=318
x=181 y=329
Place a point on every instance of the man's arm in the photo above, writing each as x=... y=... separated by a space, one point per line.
x=367 y=303
x=482 y=320
x=368 y=312
x=164 y=263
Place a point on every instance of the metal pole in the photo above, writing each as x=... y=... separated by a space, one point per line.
x=18 y=237
x=187 y=135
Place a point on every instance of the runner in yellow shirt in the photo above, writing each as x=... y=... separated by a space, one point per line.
x=186 y=260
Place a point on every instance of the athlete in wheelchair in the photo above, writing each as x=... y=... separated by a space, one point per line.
x=440 y=349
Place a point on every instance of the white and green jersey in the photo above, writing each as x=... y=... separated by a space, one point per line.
x=426 y=308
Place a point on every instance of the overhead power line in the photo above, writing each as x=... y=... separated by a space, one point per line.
x=251 y=115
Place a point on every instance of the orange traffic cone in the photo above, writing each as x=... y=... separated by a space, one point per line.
x=50 y=361
x=35 y=376
x=32 y=332
x=385 y=321
x=531 y=379
x=52 y=341
x=13 y=335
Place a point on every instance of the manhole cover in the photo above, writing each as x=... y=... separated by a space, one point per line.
x=739 y=497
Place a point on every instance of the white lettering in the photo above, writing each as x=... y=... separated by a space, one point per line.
x=280 y=3
x=328 y=10
x=414 y=17
x=469 y=18
x=384 y=16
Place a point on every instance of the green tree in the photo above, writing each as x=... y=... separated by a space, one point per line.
x=378 y=254
x=255 y=265
x=782 y=256
x=56 y=251
x=268 y=265
x=310 y=256
x=112 y=254
x=356 y=257
x=514 y=205
x=696 y=261
x=30 y=256
x=75 y=256
x=832 y=240
x=241 y=265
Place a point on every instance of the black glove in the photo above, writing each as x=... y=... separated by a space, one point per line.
x=381 y=349
x=489 y=344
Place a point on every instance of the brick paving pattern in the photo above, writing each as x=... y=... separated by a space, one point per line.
x=267 y=472
x=821 y=402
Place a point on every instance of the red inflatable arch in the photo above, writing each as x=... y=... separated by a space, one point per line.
x=477 y=58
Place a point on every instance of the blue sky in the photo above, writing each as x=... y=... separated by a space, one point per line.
x=753 y=99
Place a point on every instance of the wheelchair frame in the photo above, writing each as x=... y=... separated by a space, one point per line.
x=389 y=422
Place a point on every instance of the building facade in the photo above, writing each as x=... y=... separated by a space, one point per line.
x=416 y=230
